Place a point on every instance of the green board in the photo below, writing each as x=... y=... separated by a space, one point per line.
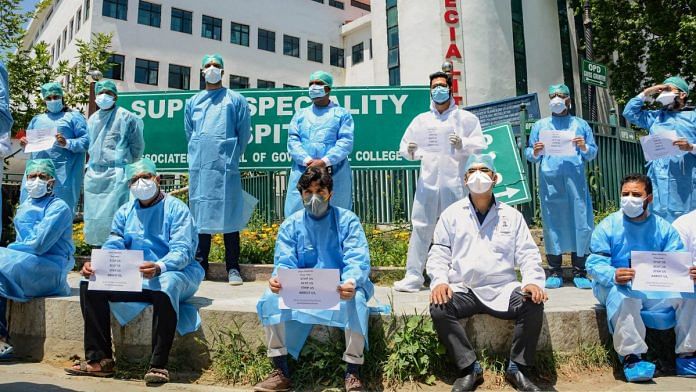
x=512 y=187
x=594 y=73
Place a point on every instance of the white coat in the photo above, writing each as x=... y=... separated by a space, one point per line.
x=686 y=226
x=482 y=257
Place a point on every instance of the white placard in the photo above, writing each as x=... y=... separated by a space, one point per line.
x=662 y=271
x=660 y=145
x=557 y=143
x=40 y=139
x=432 y=140
x=309 y=288
x=116 y=270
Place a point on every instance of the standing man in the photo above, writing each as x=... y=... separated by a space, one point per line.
x=478 y=243
x=321 y=135
x=68 y=152
x=566 y=206
x=6 y=122
x=634 y=228
x=441 y=180
x=115 y=140
x=674 y=177
x=218 y=127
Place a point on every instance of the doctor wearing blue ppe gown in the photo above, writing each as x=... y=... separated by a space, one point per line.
x=218 y=127
x=634 y=228
x=163 y=228
x=319 y=236
x=566 y=206
x=37 y=263
x=674 y=177
x=321 y=135
x=72 y=141
x=6 y=120
x=115 y=140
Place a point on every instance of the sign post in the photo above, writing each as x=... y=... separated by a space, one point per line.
x=594 y=73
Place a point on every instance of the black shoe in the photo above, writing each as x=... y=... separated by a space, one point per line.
x=520 y=382
x=468 y=382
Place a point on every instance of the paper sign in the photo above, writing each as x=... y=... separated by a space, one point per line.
x=660 y=145
x=309 y=288
x=116 y=270
x=432 y=140
x=557 y=143
x=662 y=271
x=40 y=139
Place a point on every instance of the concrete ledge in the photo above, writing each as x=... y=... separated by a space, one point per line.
x=51 y=329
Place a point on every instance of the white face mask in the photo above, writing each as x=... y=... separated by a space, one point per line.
x=557 y=105
x=213 y=75
x=632 y=206
x=666 y=98
x=104 y=101
x=37 y=188
x=144 y=189
x=316 y=91
x=479 y=183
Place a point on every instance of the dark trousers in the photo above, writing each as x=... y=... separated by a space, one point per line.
x=4 y=328
x=96 y=314
x=578 y=264
x=231 y=250
x=528 y=318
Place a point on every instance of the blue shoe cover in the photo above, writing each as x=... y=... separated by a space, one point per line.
x=553 y=282
x=686 y=367
x=639 y=371
x=582 y=282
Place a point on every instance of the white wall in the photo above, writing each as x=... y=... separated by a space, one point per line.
x=421 y=45
x=361 y=74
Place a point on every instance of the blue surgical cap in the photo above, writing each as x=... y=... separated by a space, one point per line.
x=480 y=159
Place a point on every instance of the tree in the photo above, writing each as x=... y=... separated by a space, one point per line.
x=643 y=41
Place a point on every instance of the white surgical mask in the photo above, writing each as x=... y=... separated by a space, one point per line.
x=479 y=183
x=557 y=105
x=316 y=91
x=104 y=101
x=144 y=189
x=213 y=75
x=37 y=188
x=666 y=98
x=632 y=206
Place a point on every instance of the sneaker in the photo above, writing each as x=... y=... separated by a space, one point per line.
x=276 y=381
x=582 y=282
x=409 y=284
x=353 y=383
x=553 y=282
x=234 y=278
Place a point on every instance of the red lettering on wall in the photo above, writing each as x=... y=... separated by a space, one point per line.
x=451 y=16
x=451 y=3
x=453 y=34
x=453 y=51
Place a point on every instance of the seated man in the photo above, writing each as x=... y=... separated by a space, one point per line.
x=37 y=263
x=634 y=228
x=477 y=245
x=686 y=226
x=319 y=236
x=162 y=227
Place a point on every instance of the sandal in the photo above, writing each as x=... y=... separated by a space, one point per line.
x=157 y=376
x=6 y=351
x=107 y=368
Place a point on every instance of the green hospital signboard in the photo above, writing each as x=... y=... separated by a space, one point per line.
x=381 y=116
x=594 y=73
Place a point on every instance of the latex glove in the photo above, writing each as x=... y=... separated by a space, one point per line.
x=455 y=141
x=412 y=147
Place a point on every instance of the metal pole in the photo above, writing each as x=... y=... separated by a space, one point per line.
x=589 y=55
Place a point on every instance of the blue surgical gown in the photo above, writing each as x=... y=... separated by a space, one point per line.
x=69 y=160
x=38 y=262
x=218 y=128
x=673 y=178
x=164 y=232
x=115 y=140
x=566 y=205
x=612 y=242
x=315 y=133
x=335 y=241
x=6 y=120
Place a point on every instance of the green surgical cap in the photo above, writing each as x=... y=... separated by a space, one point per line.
x=49 y=89
x=145 y=165
x=216 y=58
x=480 y=159
x=559 y=88
x=105 y=85
x=678 y=82
x=323 y=76
x=44 y=166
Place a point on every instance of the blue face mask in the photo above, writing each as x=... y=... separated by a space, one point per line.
x=440 y=94
x=104 y=101
x=54 y=106
x=316 y=91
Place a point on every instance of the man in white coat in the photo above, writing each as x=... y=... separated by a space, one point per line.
x=478 y=243
x=441 y=180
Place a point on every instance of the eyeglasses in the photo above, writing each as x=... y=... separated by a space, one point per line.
x=439 y=85
x=559 y=95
